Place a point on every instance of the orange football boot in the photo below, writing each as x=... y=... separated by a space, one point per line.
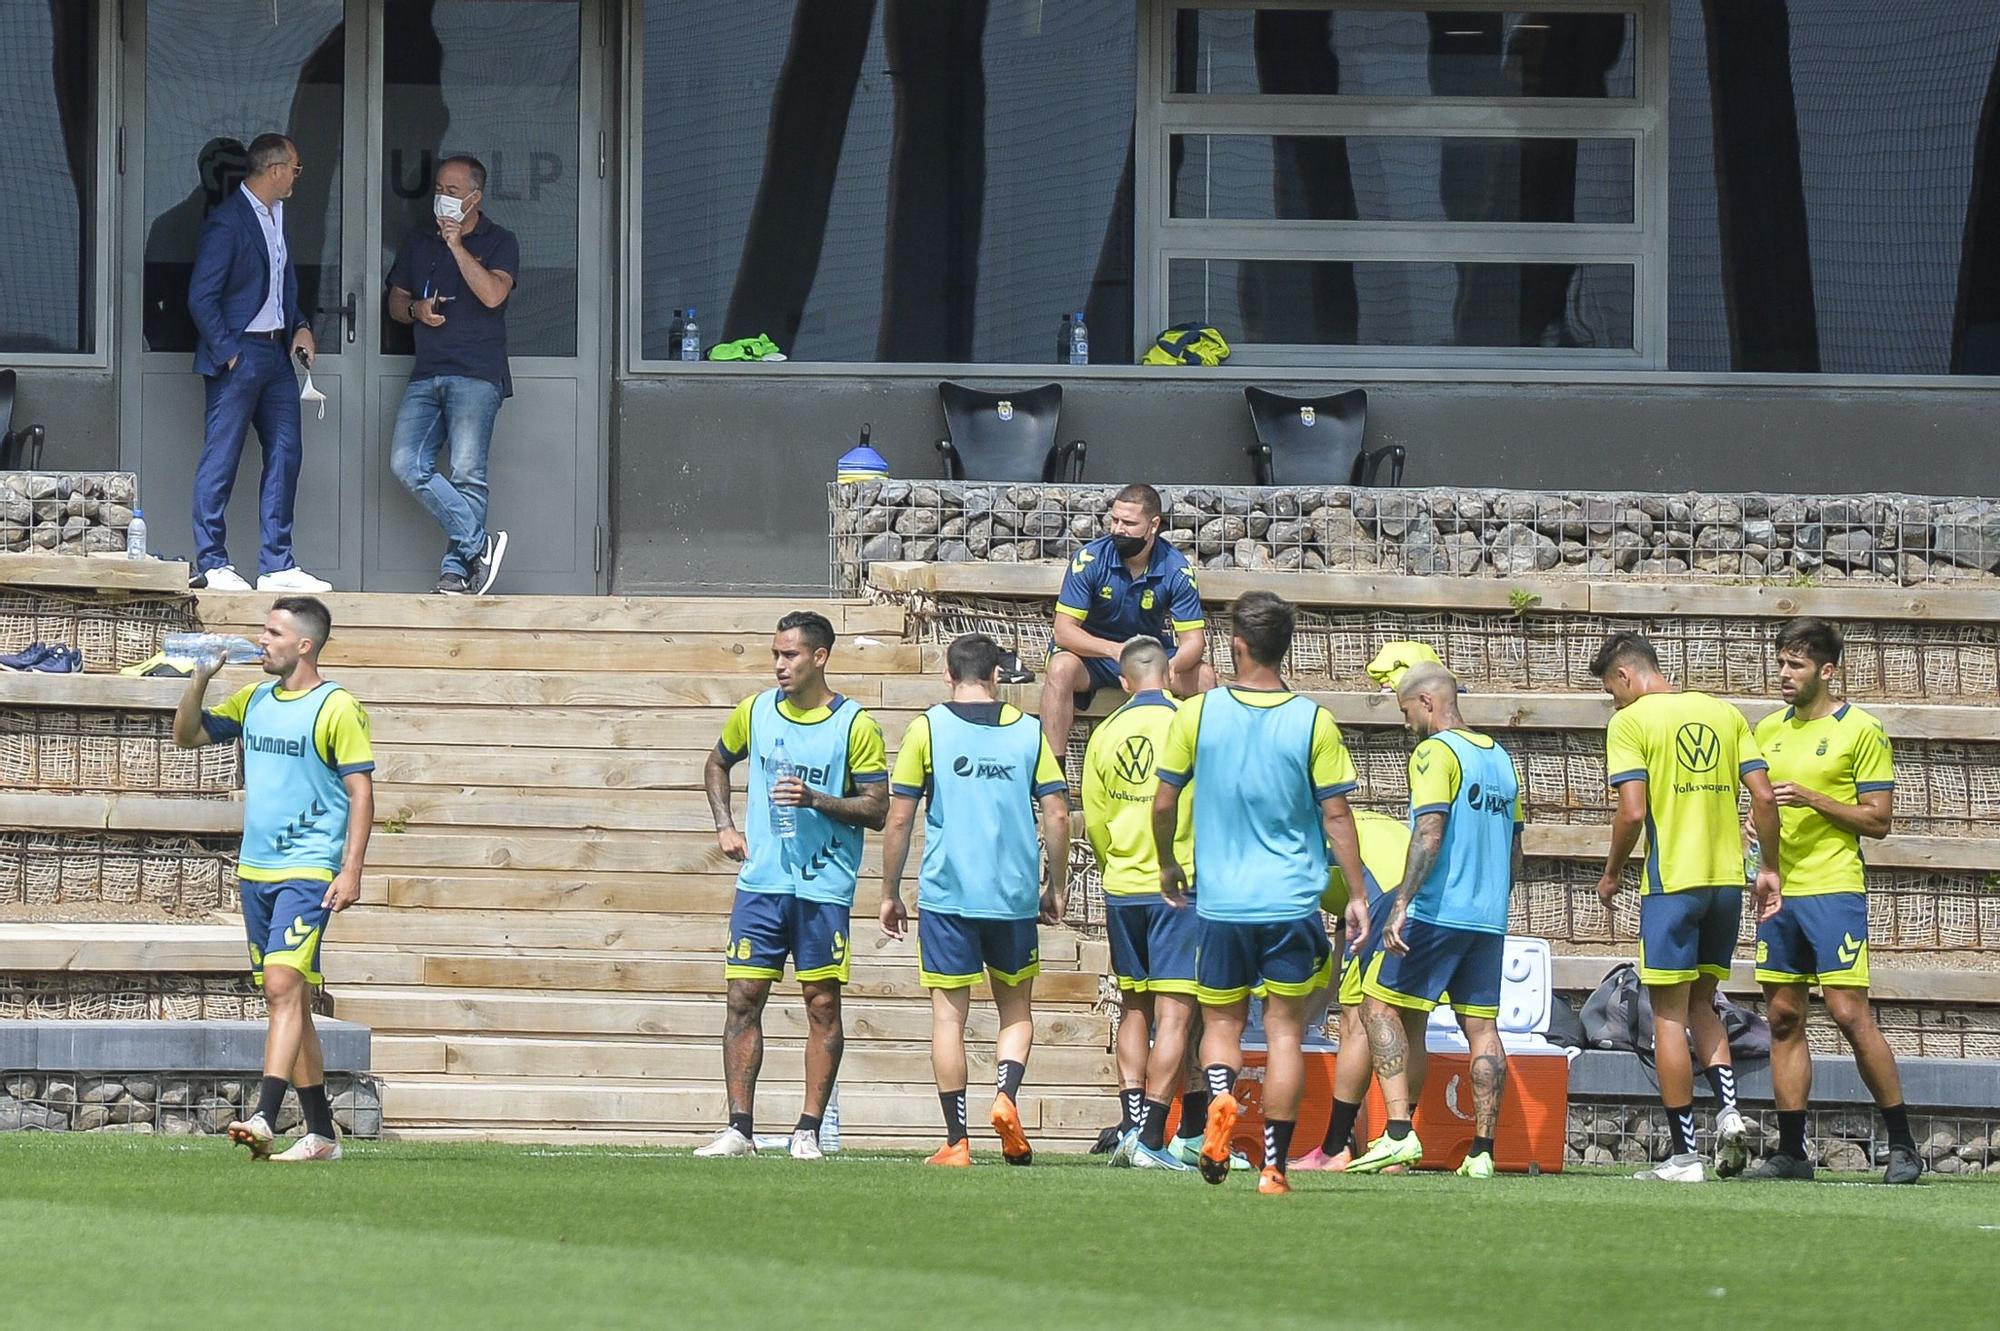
x=957 y=1155
x=1214 y=1162
x=1014 y=1146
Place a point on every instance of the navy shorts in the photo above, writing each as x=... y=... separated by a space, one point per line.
x=1357 y=968
x=956 y=951
x=767 y=927
x=1819 y=940
x=1683 y=935
x=285 y=923
x=1152 y=944
x=1103 y=673
x=1458 y=966
x=1284 y=957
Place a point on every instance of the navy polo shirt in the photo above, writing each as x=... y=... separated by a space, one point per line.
x=473 y=340
x=1112 y=604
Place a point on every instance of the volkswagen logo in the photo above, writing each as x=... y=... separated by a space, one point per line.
x=1697 y=747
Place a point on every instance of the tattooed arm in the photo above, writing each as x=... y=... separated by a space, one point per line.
x=1424 y=846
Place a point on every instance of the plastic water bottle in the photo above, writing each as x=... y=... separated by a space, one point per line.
x=675 y=329
x=690 y=337
x=829 y=1123
x=1079 y=341
x=135 y=535
x=1753 y=860
x=784 y=817
x=201 y=646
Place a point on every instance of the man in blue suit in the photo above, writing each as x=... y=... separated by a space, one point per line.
x=244 y=300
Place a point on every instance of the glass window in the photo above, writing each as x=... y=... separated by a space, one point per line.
x=1399 y=303
x=48 y=159
x=1403 y=178
x=458 y=80
x=286 y=78
x=903 y=181
x=1336 y=52
x=1834 y=198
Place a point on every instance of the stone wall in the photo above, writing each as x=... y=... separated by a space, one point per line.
x=1462 y=533
x=170 y=1104
x=66 y=513
x=1839 y=1139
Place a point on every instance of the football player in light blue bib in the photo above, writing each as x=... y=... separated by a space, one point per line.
x=308 y=801
x=1446 y=931
x=817 y=778
x=1268 y=777
x=981 y=768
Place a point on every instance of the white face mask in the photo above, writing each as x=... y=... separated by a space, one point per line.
x=450 y=209
x=310 y=395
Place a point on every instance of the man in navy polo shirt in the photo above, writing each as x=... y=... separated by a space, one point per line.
x=452 y=282
x=1125 y=585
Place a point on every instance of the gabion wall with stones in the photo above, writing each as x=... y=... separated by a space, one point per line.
x=1841 y=1139
x=66 y=512
x=168 y=1103
x=1538 y=651
x=147 y=996
x=1889 y=538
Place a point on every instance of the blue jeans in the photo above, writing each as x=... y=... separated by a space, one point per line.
x=263 y=389
x=456 y=410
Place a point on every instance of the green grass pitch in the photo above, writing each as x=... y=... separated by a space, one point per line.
x=150 y=1232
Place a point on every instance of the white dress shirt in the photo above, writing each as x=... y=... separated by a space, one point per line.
x=271 y=317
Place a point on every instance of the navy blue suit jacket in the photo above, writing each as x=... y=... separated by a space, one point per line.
x=232 y=278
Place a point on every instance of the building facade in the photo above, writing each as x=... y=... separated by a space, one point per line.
x=1597 y=243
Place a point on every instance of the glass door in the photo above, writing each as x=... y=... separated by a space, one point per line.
x=514 y=84
x=214 y=74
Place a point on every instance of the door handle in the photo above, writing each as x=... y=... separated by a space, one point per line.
x=347 y=312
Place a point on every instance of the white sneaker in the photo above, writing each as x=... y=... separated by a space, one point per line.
x=1732 y=1148
x=254 y=1133
x=310 y=1148
x=289 y=580
x=729 y=1142
x=805 y=1146
x=1675 y=1169
x=225 y=579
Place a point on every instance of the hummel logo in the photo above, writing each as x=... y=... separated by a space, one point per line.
x=297 y=932
x=1850 y=950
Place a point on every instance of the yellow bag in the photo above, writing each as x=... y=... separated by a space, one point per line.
x=1187 y=344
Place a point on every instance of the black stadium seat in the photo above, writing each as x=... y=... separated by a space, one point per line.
x=1006 y=436
x=1316 y=440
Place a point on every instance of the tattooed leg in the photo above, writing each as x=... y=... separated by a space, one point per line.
x=1390 y=1049
x=1489 y=1072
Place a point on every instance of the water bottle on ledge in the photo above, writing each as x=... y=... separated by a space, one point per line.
x=135 y=535
x=784 y=817
x=1079 y=341
x=234 y=650
x=690 y=337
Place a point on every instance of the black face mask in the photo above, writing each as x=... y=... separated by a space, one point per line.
x=1128 y=546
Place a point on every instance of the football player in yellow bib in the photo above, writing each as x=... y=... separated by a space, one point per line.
x=1678 y=760
x=1835 y=781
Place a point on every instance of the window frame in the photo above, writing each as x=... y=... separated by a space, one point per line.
x=1152 y=200
x=109 y=33
x=1161 y=237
